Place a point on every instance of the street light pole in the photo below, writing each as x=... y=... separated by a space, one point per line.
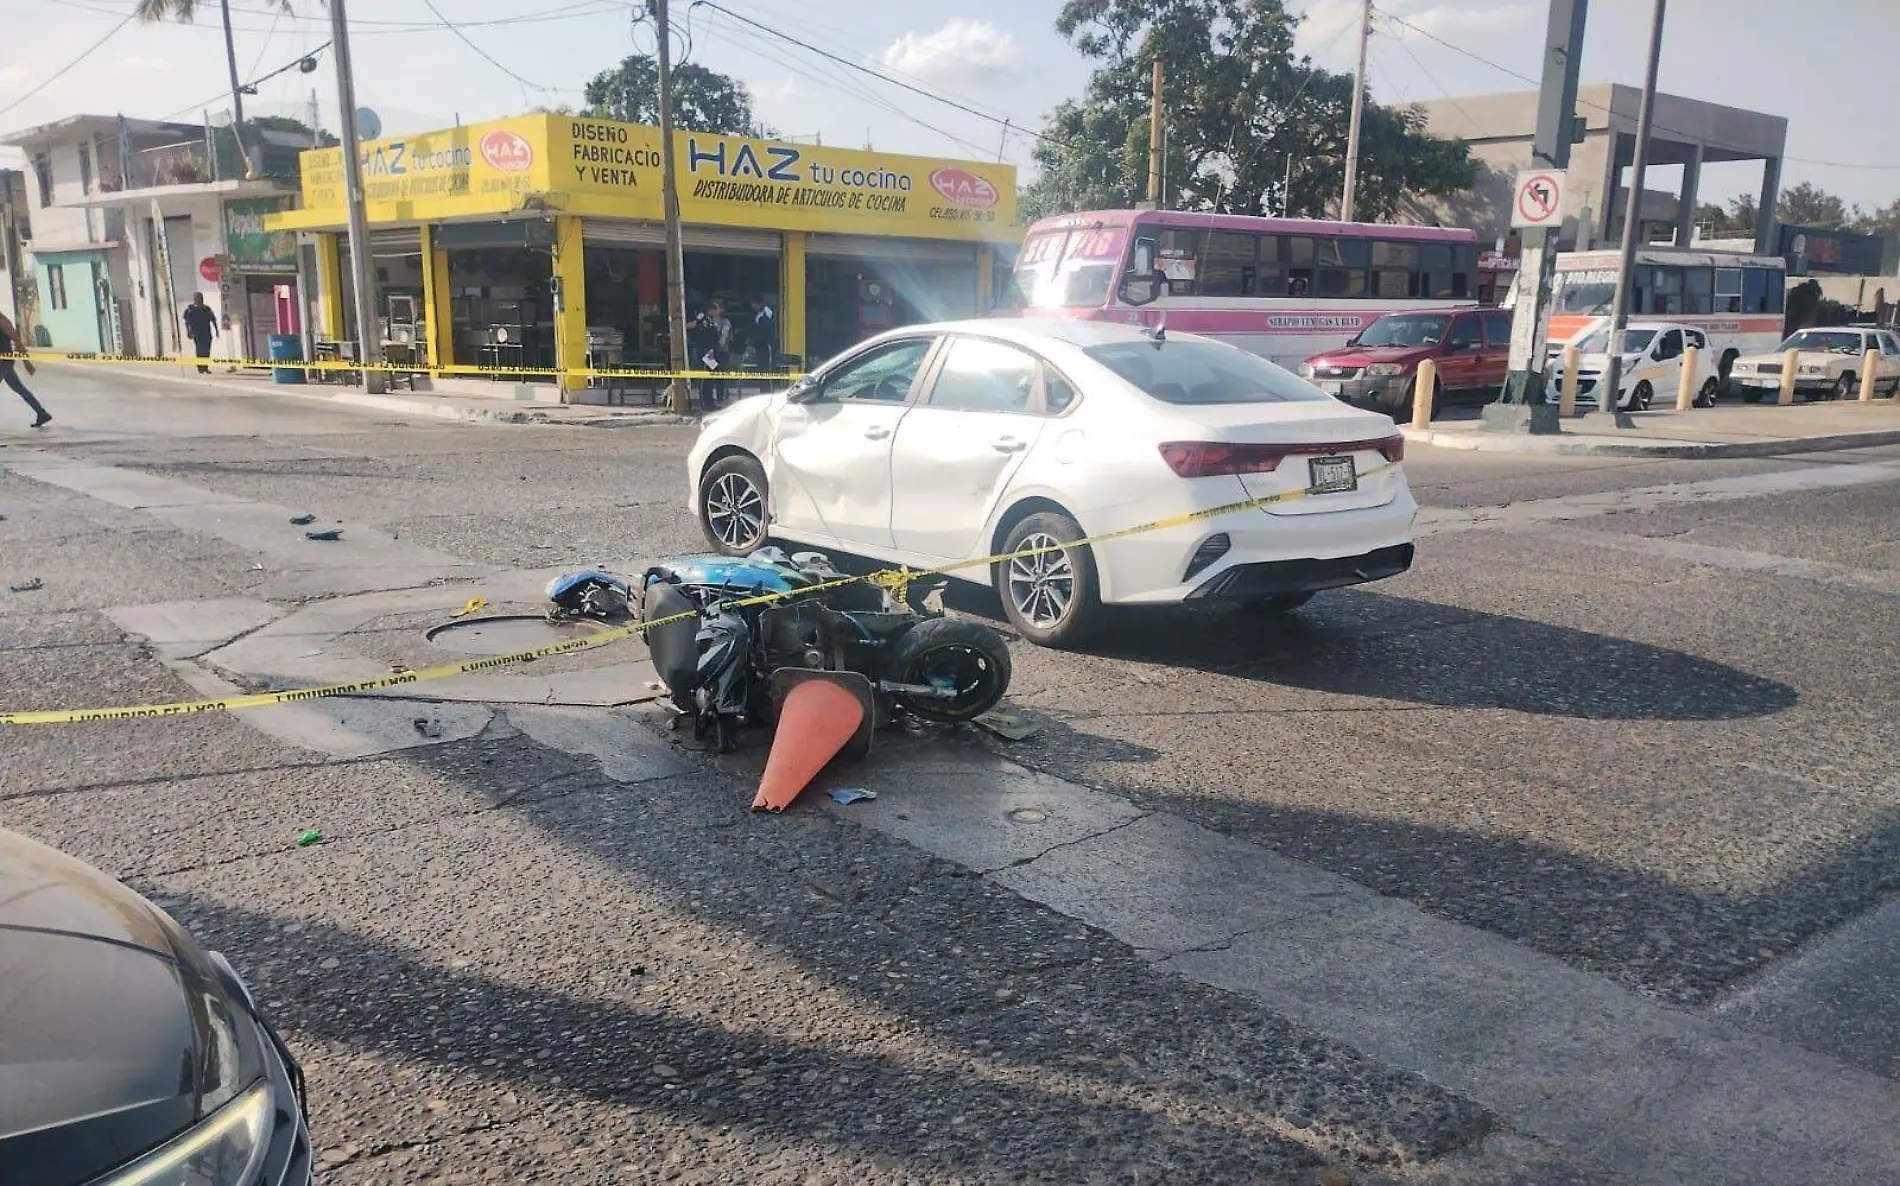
x=670 y=198
x=1607 y=391
x=1358 y=108
x=369 y=334
x=237 y=95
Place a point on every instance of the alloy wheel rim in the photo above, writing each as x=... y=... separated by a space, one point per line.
x=735 y=509
x=1042 y=584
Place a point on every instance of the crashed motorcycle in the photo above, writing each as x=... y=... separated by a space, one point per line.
x=731 y=637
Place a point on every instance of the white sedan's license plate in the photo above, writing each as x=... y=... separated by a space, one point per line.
x=1332 y=475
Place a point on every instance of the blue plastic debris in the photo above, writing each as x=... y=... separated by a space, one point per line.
x=850 y=795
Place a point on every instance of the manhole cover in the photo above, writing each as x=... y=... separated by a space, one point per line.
x=1028 y=815
x=505 y=635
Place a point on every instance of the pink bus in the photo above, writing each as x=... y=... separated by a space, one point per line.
x=1283 y=288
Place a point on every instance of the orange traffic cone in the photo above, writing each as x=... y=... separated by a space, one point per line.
x=817 y=719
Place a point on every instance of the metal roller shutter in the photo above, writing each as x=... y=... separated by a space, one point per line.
x=617 y=232
x=878 y=247
x=398 y=241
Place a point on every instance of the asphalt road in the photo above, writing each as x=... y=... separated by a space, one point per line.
x=1654 y=744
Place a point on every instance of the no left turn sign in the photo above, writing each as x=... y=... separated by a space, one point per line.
x=1537 y=200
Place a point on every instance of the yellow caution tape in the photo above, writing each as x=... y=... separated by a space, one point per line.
x=473 y=605
x=738 y=375
x=897 y=580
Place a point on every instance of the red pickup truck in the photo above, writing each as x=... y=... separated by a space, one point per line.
x=1377 y=369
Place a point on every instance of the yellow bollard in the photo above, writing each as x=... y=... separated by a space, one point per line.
x=1788 y=363
x=1869 y=374
x=1422 y=387
x=1567 y=393
x=1686 y=390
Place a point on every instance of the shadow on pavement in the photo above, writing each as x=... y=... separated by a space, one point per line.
x=1360 y=643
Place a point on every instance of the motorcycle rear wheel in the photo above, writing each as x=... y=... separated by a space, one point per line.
x=967 y=655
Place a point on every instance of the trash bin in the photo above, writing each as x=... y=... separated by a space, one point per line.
x=286 y=348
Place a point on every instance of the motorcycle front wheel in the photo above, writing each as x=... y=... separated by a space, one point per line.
x=954 y=654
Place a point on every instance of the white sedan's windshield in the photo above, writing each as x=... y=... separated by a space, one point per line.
x=1186 y=371
x=1818 y=341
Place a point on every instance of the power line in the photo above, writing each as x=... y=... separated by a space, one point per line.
x=59 y=73
x=896 y=82
x=293 y=64
x=464 y=38
x=1433 y=79
x=1581 y=102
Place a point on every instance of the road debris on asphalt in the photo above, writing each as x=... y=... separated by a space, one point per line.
x=303 y=520
x=428 y=727
x=1010 y=724
x=309 y=838
x=846 y=796
x=331 y=533
x=29 y=585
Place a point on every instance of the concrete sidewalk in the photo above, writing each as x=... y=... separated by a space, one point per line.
x=1728 y=430
x=459 y=405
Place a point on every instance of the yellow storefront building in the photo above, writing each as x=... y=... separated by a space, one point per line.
x=538 y=241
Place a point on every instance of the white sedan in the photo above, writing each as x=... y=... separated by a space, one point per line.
x=935 y=444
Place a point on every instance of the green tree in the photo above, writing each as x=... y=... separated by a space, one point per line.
x=1239 y=106
x=1808 y=204
x=703 y=100
x=151 y=11
x=1884 y=221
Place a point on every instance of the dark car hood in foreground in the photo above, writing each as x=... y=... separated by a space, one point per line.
x=103 y=1033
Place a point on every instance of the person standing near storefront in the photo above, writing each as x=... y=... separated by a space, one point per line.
x=761 y=338
x=12 y=343
x=201 y=325
x=711 y=341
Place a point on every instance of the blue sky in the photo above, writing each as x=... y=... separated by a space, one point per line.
x=1002 y=56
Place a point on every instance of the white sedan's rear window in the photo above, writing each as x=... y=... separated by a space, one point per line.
x=1181 y=371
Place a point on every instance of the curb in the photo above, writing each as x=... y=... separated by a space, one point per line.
x=1511 y=443
x=416 y=405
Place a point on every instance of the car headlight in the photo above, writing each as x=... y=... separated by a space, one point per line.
x=1812 y=369
x=1306 y=370
x=224 y=1149
x=1385 y=370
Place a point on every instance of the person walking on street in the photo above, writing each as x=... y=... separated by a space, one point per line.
x=201 y=324
x=12 y=343
x=761 y=337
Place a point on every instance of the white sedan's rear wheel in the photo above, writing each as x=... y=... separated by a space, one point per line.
x=1048 y=586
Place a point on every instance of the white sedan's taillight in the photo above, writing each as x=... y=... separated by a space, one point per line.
x=1206 y=459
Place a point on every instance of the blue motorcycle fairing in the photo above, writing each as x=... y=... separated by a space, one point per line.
x=566 y=583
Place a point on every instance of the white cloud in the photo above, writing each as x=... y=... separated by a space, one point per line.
x=143 y=64
x=964 y=50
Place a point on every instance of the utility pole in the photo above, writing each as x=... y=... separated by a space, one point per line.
x=670 y=198
x=237 y=96
x=1155 y=115
x=1607 y=415
x=369 y=334
x=1358 y=109
x=1523 y=407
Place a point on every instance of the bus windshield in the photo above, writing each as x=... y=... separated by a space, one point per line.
x=1411 y=329
x=1586 y=292
x=1067 y=269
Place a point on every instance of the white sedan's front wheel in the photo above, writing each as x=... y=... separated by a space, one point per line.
x=732 y=505
x=1047 y=581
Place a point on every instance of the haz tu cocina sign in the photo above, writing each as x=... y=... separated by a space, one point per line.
x=964 y=188
x=507 y=152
